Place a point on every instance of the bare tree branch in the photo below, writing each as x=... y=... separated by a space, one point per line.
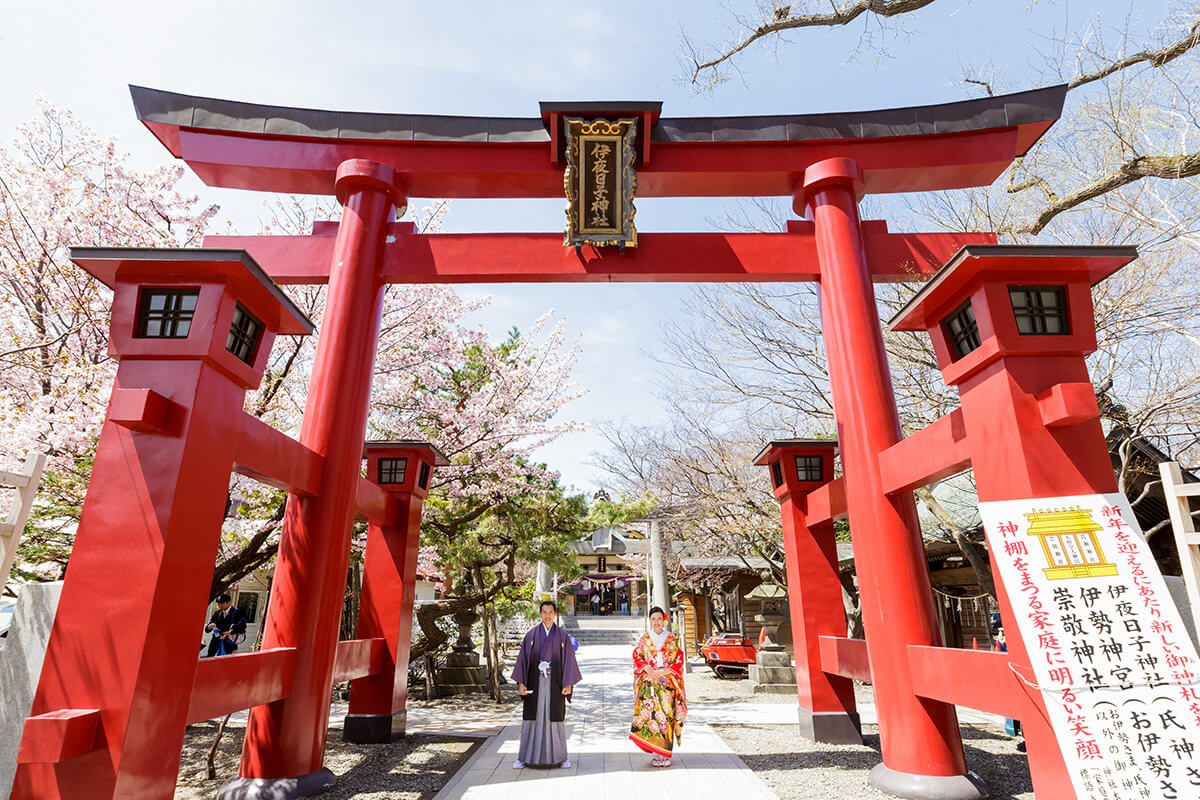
x=975 y=552
x=1155 y=58
x=1168 y=167
x=985 y=84
x=781 y=20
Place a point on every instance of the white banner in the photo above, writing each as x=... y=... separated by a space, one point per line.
x=1109 y=651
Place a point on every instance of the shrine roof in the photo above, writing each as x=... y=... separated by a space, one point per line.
x=108 y=264
x=281 y=148
x=1016 y=263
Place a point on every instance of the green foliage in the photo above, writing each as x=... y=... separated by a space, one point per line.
x=516 y=601
x=605 y=513
x=50 y=531
x=536 y=526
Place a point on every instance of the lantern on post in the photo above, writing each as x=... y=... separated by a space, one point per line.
x=403 y=469
x=826 y=702
x=1011 y=327
x=192 y=329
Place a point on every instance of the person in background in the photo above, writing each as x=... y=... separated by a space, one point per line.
x=545 y=673
x=661 y=703
x=227 y=624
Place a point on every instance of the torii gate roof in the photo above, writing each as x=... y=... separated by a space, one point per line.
x=282 y=149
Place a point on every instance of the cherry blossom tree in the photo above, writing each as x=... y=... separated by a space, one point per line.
x=439 y=378
x=63 y=185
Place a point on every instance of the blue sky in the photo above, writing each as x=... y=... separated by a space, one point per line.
x=501 y=59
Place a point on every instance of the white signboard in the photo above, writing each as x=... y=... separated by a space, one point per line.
x=1112 y=659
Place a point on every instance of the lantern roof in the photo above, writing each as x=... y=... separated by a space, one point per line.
x=1018 y=263
x=439 y=458
x=762 y=459
x=161 y=264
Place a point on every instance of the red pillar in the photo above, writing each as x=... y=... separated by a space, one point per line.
x=826 y=702
x=922 y=748
x=377 y=701
x=286 y=739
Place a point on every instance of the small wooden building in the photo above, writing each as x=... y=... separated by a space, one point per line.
x=719 y=599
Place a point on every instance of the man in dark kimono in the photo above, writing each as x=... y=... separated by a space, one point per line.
x=227 y=624
x=545 y=673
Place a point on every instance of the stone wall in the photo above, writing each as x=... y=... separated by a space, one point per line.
x=20 y=667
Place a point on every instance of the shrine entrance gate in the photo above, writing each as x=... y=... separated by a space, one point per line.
x=119 y=687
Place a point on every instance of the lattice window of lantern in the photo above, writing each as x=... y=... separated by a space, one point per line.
x=166 y=313
x=961 y=330
x=808 y=468
x=1040 y=310
x=392 y=470
x=243 y=334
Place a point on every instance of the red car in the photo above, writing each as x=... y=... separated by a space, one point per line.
x=728 y=655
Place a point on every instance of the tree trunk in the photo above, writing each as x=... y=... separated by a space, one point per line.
x=431 y=692
x=850 y=601
x=974 y=552
x=496 y=677
x=212 y=751
x=488 y=609
x=351 y=603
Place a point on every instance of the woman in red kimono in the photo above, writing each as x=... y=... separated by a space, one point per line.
x=661 y=705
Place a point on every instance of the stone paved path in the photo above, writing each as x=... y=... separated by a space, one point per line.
x=605 y=764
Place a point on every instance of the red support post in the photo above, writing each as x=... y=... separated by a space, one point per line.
x=285 y=740
x=1015 y=456
x=1029 y=412
x=111 y=706
x=922 y=747
x=826 y=701
x=404 y=470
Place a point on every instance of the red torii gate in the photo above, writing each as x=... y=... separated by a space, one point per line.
x=109 y=724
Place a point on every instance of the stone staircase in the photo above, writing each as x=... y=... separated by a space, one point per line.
x=605 y=630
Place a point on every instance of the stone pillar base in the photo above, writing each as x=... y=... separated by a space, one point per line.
x=457 y=659
x=374 y=728
x=277 y=788
x=461 y=680
x=772 y=673
x=831 y=727
x=928 y=787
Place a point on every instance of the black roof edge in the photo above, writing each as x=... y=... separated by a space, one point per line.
x=439 y=458
x=184 y=254
x=983 y=250
x=983 y=113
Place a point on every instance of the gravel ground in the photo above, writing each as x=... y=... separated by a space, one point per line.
x=797 y=769
x=415 y=767
x=702 y=685
x=473 y=704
